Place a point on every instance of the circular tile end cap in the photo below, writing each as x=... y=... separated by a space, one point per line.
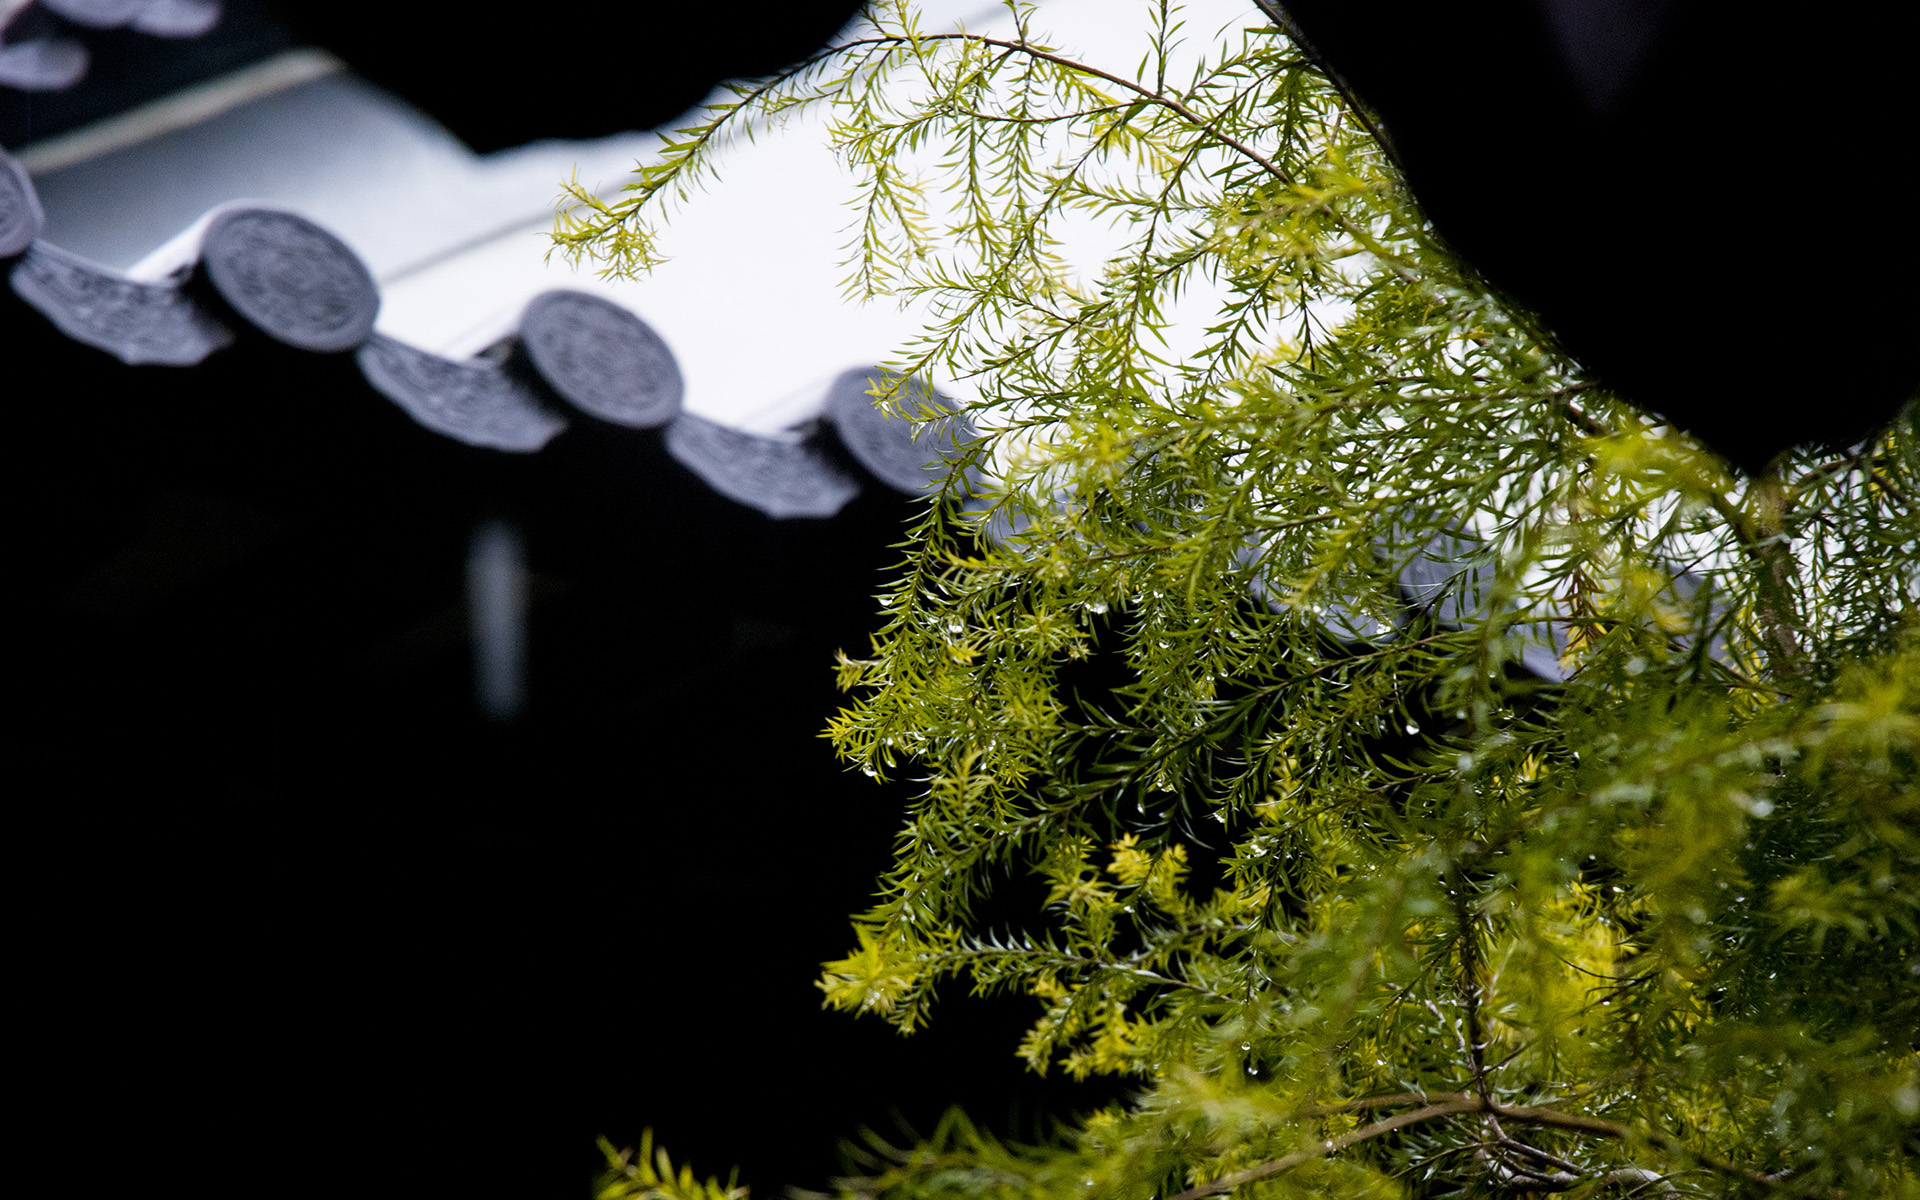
x=886 y=445
x=291 y=279
x=778 y=477
x=471 y=402
x=21 y=217
x=602 y=359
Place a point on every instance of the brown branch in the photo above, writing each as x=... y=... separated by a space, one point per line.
x=1596 y=1127
x=1396 y=1100
x=1332 y=1145
x=1436 y=1105
x=1579 y=1123
x=1539 y=1155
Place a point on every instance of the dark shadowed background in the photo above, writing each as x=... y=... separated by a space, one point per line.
x=288 y=913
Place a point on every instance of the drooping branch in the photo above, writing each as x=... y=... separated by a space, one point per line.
x=1148 y=95
x=576 y=233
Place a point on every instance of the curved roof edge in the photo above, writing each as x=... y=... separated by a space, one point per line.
x=261 y=271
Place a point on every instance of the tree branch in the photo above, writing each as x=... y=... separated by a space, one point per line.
x=1333 y=1145
x=1437 y=1105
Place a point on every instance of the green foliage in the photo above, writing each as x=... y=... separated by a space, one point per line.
x=649 y=1175
x=1365 y=908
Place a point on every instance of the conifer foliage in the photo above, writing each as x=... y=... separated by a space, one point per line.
x=1591 y=868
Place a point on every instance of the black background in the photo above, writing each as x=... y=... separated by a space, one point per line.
x=284 y=905
x=1723 y=241
x=286 y=913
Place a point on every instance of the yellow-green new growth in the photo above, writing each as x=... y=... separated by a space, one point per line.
x=1367 y=900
